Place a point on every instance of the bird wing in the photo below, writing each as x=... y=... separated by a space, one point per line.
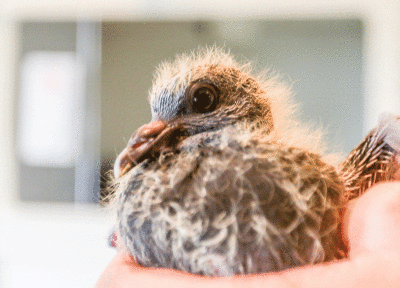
x=375 y=159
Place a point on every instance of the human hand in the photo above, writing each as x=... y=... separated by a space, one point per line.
x=371 y=229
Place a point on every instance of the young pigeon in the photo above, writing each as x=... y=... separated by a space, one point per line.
x=224 y=181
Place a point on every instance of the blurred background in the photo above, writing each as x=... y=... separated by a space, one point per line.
x=73 y=88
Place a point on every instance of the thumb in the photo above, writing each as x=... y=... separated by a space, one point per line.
x=374 y=220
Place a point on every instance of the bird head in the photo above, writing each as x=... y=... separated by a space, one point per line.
x=192 y=98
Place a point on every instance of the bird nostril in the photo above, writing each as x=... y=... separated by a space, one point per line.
x=146 y=132
x=138 y=144
x=151 y=129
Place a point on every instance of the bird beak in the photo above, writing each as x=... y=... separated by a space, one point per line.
x=146 y=142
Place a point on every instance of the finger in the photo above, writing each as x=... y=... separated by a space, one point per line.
x=366 y=270
x=122 y=271
x=373 y=263
x=374 y=221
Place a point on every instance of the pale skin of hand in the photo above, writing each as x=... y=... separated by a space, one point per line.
x=371 y=227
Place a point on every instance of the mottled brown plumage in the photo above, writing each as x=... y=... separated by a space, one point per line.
x=225 y=181
x=374 y=159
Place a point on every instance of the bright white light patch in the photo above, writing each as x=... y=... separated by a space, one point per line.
x=49 y=109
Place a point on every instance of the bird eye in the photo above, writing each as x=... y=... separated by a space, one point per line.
x=203 y=97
